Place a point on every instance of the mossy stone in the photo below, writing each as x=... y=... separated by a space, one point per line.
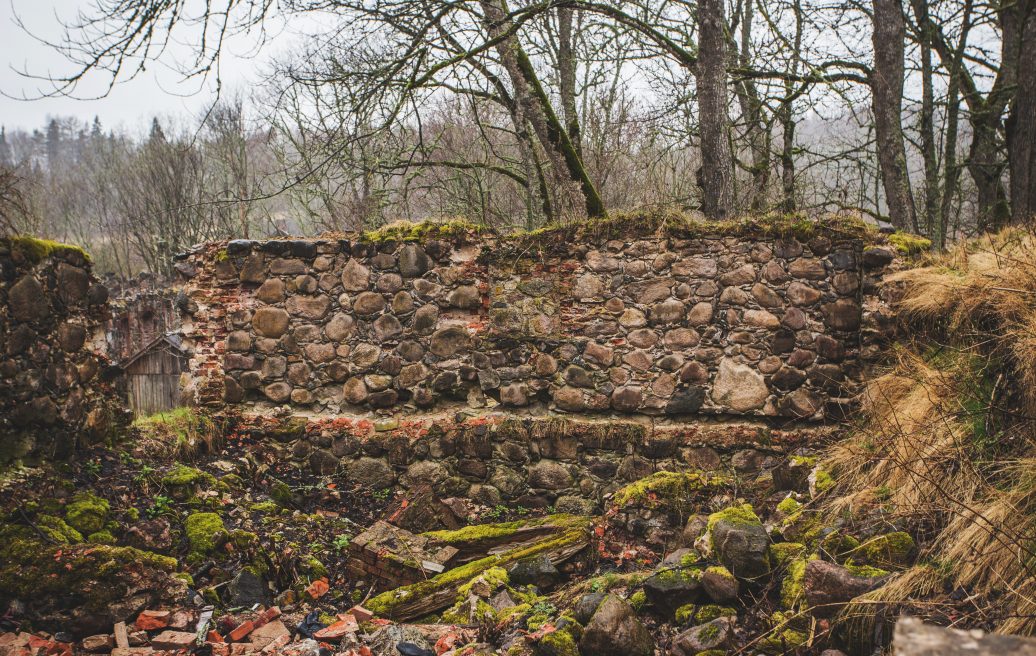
x=205 y=533
x=58 y=530
x=889 y=550
x=87 y=513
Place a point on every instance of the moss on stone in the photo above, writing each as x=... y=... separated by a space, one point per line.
x=101 y=537
x=265 y=507
x=205 y=533
x=909 y=244
x=406 y=231
x=626 y=225
x=57 y=530
x=685 y=614
x=665 y=487
x=182 y=476
x=494 y=578
x=87 y=513
x=788 y=506
x=889 y=550
x=36 y=250
x=710 y=612
x=791 y=586
x=558 y=643
x=781 y=552
x=743 y=515
x=311 y=566
x=638 y=600
x=185 y=577
x=865 y=570
x=281 y=493
x=822 y=481
x=93 y=576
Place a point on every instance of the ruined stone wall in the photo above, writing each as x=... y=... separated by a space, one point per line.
x=668 y=324
x=56 y=388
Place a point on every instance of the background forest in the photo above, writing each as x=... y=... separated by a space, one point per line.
x=920 y=114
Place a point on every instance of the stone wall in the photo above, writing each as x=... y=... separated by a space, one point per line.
x=57 y=390
x=663 y=324
x=570 y=464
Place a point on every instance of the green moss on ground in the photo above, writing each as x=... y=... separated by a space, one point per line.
x=205 y=533
x=57 y=530
x=89 y=576
x=101 y=537
x=87 y=513
x=558 y=643
x=781 y=552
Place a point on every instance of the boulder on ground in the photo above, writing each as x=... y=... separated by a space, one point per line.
x=828 y=586
x=740 y=541
x=614 y=630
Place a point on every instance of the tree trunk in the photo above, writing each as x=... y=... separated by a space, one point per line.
x=886 y=102
x=927 y=119
x=551 y=133
x=567 y=77
x=1021 y=120
x=716 y=174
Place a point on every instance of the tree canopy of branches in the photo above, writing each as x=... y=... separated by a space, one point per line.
x=520 y=112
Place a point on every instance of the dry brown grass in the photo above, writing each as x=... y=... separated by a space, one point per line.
x=925 y=437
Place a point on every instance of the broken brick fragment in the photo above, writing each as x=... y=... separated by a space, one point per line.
x=241 y=631
x=318 y=588
x=346 y=624
x=361 y=614
x=173 y=640
x=152 y=620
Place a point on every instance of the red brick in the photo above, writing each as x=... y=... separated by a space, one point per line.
x=152 y=620
x=241 y=631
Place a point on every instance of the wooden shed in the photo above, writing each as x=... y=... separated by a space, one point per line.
x=153 y=375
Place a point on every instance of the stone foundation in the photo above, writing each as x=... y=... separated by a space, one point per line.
x=569 y=465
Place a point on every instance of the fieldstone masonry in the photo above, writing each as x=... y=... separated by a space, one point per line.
x=57 y=388
x=666 y=325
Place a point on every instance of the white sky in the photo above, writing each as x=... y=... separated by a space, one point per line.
x=161 y=90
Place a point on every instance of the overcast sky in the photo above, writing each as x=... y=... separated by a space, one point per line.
x=161 y=90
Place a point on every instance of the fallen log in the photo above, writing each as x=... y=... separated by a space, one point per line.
x=425 y=597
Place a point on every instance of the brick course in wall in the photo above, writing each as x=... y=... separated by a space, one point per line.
x=663 y=325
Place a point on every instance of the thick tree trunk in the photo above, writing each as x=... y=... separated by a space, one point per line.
x=1021 y=121
x=716 y=176
x=886 y=101
x=528 y=91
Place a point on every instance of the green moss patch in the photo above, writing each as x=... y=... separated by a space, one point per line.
x=36 y=250
x=405 y=231
x=677 y=490
x=909 y=244
x=889 y=550
x=205 y=533
x=87 y=513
